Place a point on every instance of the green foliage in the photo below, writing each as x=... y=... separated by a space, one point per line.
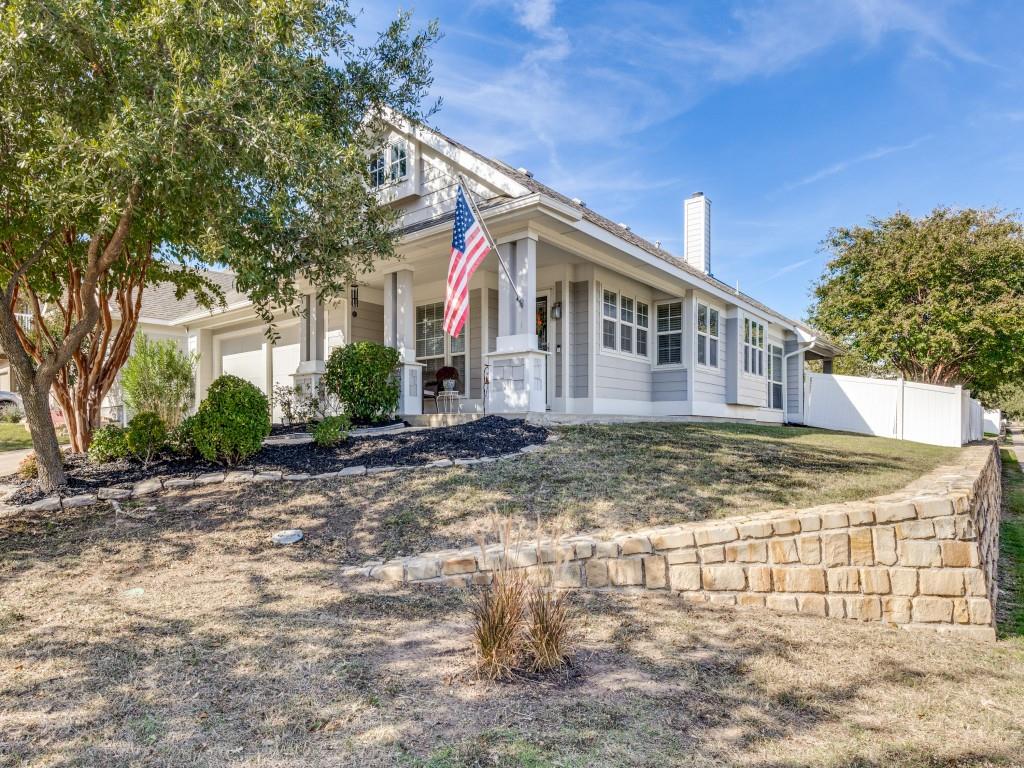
x=180 y=439
x=109 y=443
x=28 y=468
x=231 y=422
x=10 y=414
x=159 y=377
x=331 y=431
x=363 y=376
x=1009 y=398
x=147 y=436
x=939 y=299
x=144 y=142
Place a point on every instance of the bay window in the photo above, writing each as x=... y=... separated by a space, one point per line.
x=707 y=335
x=610 y=312
x=641 y=329
x=670 y=333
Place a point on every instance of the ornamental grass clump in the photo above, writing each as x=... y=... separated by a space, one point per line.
x=498 y=616
x=519 y=625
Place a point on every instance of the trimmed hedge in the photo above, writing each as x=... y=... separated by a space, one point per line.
x=231 y=422
x=146 y=436
x=331 y=431
x=109 y=443
x=363 y=377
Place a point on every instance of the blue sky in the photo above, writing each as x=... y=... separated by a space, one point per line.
x=792 y=116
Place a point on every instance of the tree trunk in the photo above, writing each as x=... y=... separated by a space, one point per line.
x=44 y=438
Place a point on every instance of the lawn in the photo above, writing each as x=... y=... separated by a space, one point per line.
x=14 y=437
x=1010 y=608
x=595 y=478
x=178 y=636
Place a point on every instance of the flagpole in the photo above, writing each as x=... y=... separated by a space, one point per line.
x=487 y=234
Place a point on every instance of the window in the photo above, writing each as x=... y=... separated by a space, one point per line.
x=436 y=349
x=707 y=335
x=641 y=329
x=626 y=325
x=753 y=347
x=624 y=322
x=610 y=310
x=392 y=164
x=670 y=333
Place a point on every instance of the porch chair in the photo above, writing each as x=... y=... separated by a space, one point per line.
x=431 y=388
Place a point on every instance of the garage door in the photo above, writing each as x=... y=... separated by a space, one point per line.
x=243 y=356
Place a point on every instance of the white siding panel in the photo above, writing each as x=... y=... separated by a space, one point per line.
x=243 y=356
x=285 y=359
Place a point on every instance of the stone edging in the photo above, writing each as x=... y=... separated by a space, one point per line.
x=923 y=557
x=157 y=484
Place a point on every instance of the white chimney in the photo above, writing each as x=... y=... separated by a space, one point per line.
x=697 y=232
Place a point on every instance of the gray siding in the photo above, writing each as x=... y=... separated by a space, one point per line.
x=580 y=369
x=623 y=379
x=368 y=324
x=492 y=319
x=475 y=360
x=794 y=378
x=668 y=384
x=558 y=344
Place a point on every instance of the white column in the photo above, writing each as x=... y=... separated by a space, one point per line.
x=311 y=343
x=200 y=342
x=518 y=370
x=400 y=333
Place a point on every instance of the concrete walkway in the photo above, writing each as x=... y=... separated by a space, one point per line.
x=9 y=460
x=1017 y=443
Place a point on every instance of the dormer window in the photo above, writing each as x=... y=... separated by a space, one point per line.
x=390 y=165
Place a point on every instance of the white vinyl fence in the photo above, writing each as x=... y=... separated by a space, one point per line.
x=993 y=422
x=905 y=410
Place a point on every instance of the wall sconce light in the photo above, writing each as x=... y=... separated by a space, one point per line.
x=354 y=299
x=556 y=310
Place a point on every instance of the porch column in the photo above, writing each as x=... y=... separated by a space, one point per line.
x=200 y=342
x=311 y=343
x=518 y=369
x=400 y=333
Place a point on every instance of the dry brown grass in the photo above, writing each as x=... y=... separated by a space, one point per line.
x=599 y=478
x=179 y=635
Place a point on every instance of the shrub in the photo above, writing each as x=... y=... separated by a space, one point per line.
x=28 y=467
x=362 y=376
x=158 y=377
x=231 y=422
x=10 y=413
x=498 y=614
x=109 y=443
x=180 y=439
x=147 y=436
x=331 y=431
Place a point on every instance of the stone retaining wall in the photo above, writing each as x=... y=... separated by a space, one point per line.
x=921 y=558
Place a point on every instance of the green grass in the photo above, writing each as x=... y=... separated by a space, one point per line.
x=1011 y=545
x=14 y=437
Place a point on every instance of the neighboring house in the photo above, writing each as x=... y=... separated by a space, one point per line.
x=611 y=323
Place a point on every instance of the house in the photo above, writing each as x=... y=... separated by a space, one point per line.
x=609 y=323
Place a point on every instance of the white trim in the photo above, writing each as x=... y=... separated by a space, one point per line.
x=653 y=330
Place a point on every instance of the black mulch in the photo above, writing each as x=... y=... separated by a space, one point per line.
x=489 y=436
x=276 y=430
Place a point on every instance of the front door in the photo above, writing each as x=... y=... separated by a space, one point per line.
x=775 y=376
x=544 y=331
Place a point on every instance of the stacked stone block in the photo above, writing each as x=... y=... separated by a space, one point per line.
x=920 y=558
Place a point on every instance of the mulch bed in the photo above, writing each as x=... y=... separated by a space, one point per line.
x=489 y=436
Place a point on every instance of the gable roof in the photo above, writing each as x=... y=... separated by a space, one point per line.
x=527 y=180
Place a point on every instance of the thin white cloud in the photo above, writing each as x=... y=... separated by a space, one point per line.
x=842 y=165
x=787 y=269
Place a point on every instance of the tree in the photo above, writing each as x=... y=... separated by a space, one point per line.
x=938 y=299
x=142 y=141
x=158 y=377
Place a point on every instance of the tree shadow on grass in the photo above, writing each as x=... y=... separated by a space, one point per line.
x=292 y=666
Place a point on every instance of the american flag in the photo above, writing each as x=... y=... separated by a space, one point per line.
x=469 y=247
